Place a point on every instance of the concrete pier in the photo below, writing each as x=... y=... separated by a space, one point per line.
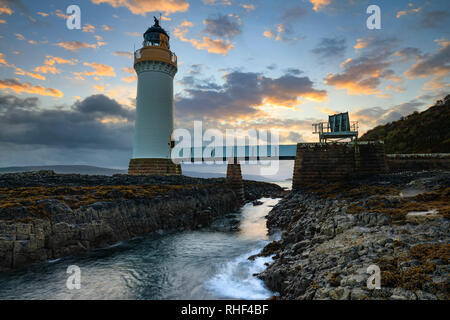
x=320 y=162
x=234 y=178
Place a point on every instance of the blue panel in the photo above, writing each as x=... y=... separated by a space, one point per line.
x=282 y=152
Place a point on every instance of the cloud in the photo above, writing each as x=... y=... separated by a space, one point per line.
x=363 y=74
x=374 y=116
x=49 y=64
x=75 y=45
x=242 y=94
x=10 y=102
x=434 y=19
x=131 y=78
x=221 y=26
x=124 y=54
x=293 y=14
x=5 y=10
x=409 y=53
x=335 y=5
x=107 y=28
x=34 y=75
x=436 y=65
x=330 y=48
x=281 y=32
x=218 y=46
x=95 y=131
x=142 y=7
x=248 y=7
x=88 y=28
x=19 y=87
x=408 y=11
x=19 y=36
x=319 y=4
x=284 y=31
x=100 y=70
x=3 y=60
x=20 y=71
x=42 y=14
x=61 y=14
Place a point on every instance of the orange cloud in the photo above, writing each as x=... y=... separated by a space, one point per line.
x=100 y=70
x=19 y=36
x=142 y=7
x=268 y=34
x=47 y=69
x=319 y=4
x=99 y=88
x=61 y=14
x=75 y=45
x=128 y=70
x=3 y=60
x=361 y=43
x=88 y=28
x=52 y=60
x=18 y=87
x=2 y=21
x=43 y=14
x=408 y=11
x=130 y=78
x=248 y=7
x=22 y=72
x=6 y=10
x=218 y=46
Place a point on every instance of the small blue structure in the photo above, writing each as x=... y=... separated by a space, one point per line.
x=338 y=128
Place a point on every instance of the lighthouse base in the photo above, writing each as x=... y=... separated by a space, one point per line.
x=152 y=166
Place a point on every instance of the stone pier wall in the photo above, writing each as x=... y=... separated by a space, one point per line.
x=318 y=162
x=153 y=167
x=418 y=162
x=234 y=179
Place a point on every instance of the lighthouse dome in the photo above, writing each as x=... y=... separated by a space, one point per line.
x=156 y=36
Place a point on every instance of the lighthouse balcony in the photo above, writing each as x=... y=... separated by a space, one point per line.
x=155 y=53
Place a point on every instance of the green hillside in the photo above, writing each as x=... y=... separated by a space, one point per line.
x=424 y=132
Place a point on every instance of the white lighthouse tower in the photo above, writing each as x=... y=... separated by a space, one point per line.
x=156 y=67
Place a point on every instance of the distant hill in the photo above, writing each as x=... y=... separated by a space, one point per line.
x=424 y=132
x=78 y=169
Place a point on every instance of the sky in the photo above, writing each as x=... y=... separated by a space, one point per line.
x=68 y=96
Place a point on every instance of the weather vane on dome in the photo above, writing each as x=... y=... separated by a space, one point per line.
x=156 y=21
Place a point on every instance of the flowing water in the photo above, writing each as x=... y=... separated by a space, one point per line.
x=205 y=264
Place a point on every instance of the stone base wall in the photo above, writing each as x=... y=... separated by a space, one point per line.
x=319 y=162
x=370 y=159
x=234 y=178
x=418 y=162
x=153 y=167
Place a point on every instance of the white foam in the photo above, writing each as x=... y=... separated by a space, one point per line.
x=236 y=280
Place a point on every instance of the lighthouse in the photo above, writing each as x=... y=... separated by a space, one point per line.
x=156 y=67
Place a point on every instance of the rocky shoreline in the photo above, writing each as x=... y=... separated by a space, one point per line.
x=45 y=216
x=332 y=233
